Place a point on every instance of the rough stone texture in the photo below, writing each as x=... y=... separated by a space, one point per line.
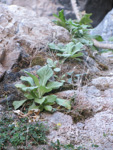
x=103 y=82
x=66 y=94
x=97 y=127
x=27 y=31
x=41 y=7
x=97 y=130
x=47 y=7
x=105 y=28
x=93 y=98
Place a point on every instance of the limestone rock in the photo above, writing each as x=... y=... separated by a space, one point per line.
x=103 y=83
x=66 y=94
x=94 y=131
x=41 y=7
x=105 y=28
x=21 y=26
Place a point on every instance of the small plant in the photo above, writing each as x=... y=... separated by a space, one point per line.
x=20 y=134
x=35 y=88
x=70 y=50
x=52 y=64
x=58 y=146
x=95 y=145
x=81 y=38
x=81 y=148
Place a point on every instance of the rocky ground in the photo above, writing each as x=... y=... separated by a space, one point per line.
x=24 y=39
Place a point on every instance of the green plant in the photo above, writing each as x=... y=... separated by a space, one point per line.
x=58 y=146
x=70 y=50
x=37 y=87
x=94 y=145
x=79 y=31
x=19 y=133
x=81 y=148
x=52 y=64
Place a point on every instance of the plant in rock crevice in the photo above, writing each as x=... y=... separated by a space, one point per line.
x=37 y=88
x=81 y=38
x=52 y=64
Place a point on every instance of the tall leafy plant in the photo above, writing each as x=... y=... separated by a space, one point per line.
x=79 y=31
x=36 y=90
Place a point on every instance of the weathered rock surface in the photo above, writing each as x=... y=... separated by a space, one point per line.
x=46 y=8
x=94 y=131
x=105 y=28
x=42 y=8
x=91 y=120
x=27 y=31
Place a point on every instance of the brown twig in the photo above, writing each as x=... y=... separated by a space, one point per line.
x=102 y=45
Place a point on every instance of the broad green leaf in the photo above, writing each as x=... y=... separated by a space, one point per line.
x=98 y=38
x=28 y=96
x=86 y=41
x=57 y=69
x=86 y=19
x=64 y=103
x=35 y=79
x=17 y=104
x=58 y=47
x=45 y=73
x=77 y=55
x=27 y=79
x=33 y=106
x=41 y=107
x=69 y=49
x=54 y=85
x=61 y=15
x=79 y=46
x=34 y=93
x=56 y=16
x=40 y=101
x=48 y=108
x=20 y=86
x=42 y=90
x=50 y=100
x=63 y=55
x=50 y=62
x=29 y=88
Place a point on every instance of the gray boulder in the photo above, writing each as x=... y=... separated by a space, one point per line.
x=105 y=28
